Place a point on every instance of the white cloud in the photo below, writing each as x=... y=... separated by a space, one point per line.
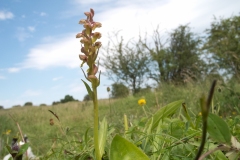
x=141 y=15
x=60 y=52
x=23 y=16
x=43 y=14
x=131 y=17
x=47 y=39
x=13 y=69
x=6 y=15
x=31 y=28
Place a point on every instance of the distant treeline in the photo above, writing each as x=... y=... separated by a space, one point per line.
x=66 y=99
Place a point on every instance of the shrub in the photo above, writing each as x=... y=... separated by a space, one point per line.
x=87 y=98
x=55 y=103
x=1 y=107
x=119 y=90
x=28 y=104
x=42 y=104
x=15 y=106
x=67 y=98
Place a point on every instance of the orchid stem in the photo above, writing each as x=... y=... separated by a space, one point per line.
x=96 y=142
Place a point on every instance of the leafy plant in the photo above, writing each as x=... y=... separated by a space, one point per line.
x=28 y=104
x=119 y=90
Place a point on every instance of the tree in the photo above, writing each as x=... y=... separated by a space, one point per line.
x=184 y=50
x=159 y=56
x=126 y=63
x=55 y=103
x=119 y=90
x=28 y=104
x=177 y=57
x=87 y=98
x=1 y=107
x=67 y=98
x=223 y=44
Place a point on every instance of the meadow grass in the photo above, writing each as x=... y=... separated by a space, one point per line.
x=77 y=117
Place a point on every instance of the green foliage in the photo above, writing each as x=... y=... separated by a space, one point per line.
x=218 y=129
x=165 y=111
x=67 y=98
x=28 y=104
x=23 y=149
x=121 y=149
x=161 y=129
x=180 y=60
x=119 y=90
x=223 y=40
x=103 y=128
x=55 y=103
x=87 y=98
x=184 y=55
x=1 y=107
x=227 y=98
x=173 y=137
x=177 y=59
x=90 y=92
x=43 y=104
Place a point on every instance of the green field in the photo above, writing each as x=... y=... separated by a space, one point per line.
x=76 y=117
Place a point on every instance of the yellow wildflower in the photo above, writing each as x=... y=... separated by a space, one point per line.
x=7 y=132
x=141 y=101
x=200 y=113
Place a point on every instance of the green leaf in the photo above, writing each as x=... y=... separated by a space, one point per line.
x=157 y=142
x=122 y=149
x=185 y=109
x=86 y=137
x=102 y=135
x=99 y=78
x=8 y=148
x=149 y=131
x=218 y=129
x=90 y=93
x=163 y=112
x=23 y=149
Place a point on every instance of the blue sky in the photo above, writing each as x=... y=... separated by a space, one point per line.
x=39 y=52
